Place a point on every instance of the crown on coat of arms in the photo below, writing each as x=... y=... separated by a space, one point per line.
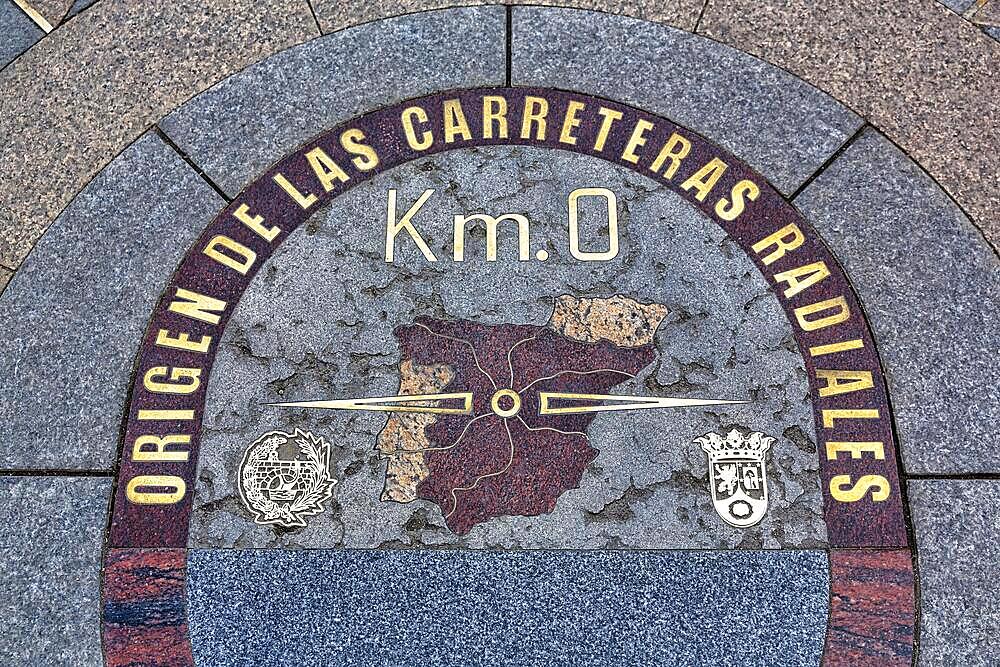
x=735 y=445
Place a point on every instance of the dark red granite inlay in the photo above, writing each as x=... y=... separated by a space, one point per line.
x=517 y=465
x=872 y=612
x=144 y=618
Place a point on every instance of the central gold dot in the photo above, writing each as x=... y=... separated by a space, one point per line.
x=506 y=403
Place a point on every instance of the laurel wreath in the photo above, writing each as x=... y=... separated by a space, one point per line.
x=319 y=488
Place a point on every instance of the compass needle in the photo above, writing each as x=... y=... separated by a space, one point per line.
x=400 y=403
x=610 y=402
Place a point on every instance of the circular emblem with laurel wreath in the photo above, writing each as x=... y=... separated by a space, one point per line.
x=285 y=477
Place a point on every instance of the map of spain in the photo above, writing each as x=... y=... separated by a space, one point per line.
x=505 y=459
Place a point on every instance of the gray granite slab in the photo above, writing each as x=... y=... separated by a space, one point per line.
x=958 y=5
x=73 y=314
x=5 y=275
x=17 y=32
x=957 y=525
x=931 y=288
x=241 y=126
x=273 y=608
x=783 y=127
x=50 y=569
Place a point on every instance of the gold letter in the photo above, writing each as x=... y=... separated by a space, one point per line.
x=829 y=416
x=571 y=122
x=574 y=224
x=454 y=122
x=785 y=239
x=705 y=178
x=491 y=235
x=141 y=448
x=494 y=111
x=744 y=188
x=535 y=110
x=637 y=140
x=426 y=138
x=182 y=341
x=195 y=306
x=303 y=200
x=857 y=449
x=610 y=117
x=327 y=171
x=392 y=227
x=813 y=273
x=830 y=348
x=155 y=497
x=843 y=314
x=877 y=482
x=843 y=382
x=675 y=150
x=255 y=223
x=193 y=376
x=352 y=142
x=241 y=259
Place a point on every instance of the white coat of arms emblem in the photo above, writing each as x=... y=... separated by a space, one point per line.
x=285 y=478
x=737 y=474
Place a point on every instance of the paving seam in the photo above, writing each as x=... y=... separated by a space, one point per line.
x=312 y=11
x=830 y=160
x=701 y=15
x=191 y=163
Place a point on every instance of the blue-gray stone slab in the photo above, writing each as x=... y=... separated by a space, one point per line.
x=237 y=129
x=500 y=609
x=958 y=5
x=957 y=525
x=17 y=32
x=73 y=314
x=780 y=125
x=931 y=287
x=50 y=569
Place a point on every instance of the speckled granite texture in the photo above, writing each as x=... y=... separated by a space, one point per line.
x=53 y=531
x=930 y=285
x=780 y=126
x=240 y=127
x=337 y=14
x=17 y=32
x=317 y=322
x=923 y=75
x=5 y=275
x=52 y=10
x=66 y=368
x=956 y=526
x=95 y=84
x=410 y=608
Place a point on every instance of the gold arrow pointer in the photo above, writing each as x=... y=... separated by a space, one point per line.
x=620 y=402
x=392 y=404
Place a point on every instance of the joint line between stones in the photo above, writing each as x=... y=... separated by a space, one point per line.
x=701 y=15
x=312 y=10
x=830 y=160
x=187 y=160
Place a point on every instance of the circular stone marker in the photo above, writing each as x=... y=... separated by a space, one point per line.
x=507 y=344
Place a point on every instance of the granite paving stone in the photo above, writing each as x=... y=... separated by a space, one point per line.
x=506 y=608
x=783 y=127
x=5 y=275
x=930 y=285
x=237 y=129
x=17 y=32
x=53 y=10
x=956 y=526
x=959 y=6
x=337 y=14
x=920 y=73
x=78 y=7
x=94 y=85
x=50 y=575
x=74 y=312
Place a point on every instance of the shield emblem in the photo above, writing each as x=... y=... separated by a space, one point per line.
x=738 y=475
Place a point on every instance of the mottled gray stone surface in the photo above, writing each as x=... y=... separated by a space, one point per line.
x=958 y=5
x=17 y=32
x=274 y=608
x=957 y=525
x=5 y=275
x=50 y=569
x=235 y=130
x=317 y=323
x=930 y=285
x=781 y=126
x=72 y=316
